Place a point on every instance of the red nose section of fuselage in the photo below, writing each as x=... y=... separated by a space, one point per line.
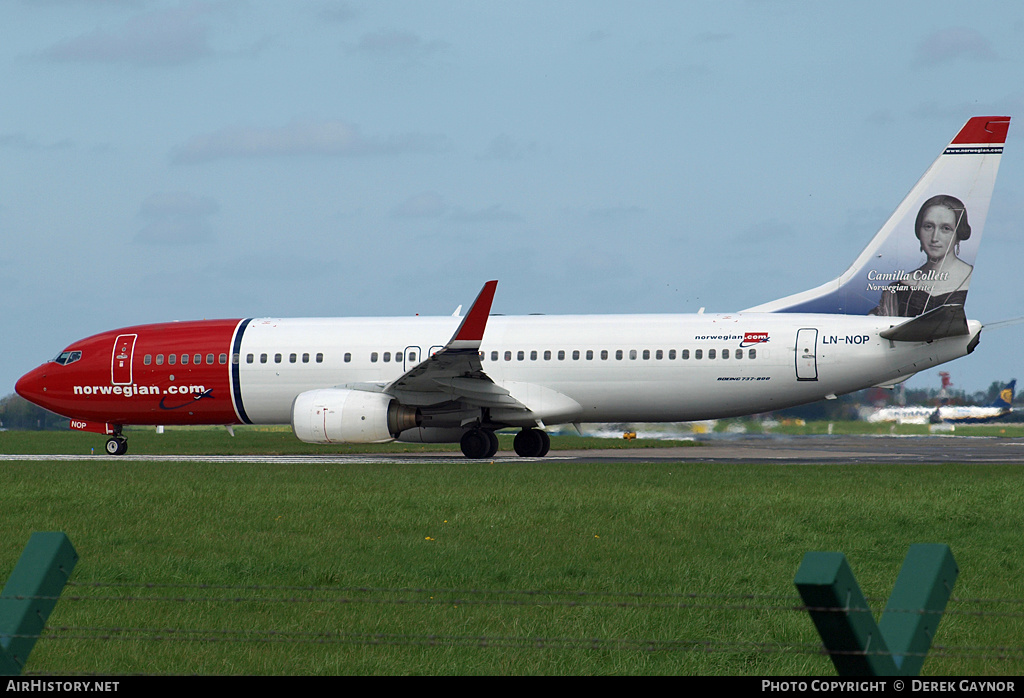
x=32 y=387
x=170 y=373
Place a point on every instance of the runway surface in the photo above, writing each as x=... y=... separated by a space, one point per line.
x=730 y=449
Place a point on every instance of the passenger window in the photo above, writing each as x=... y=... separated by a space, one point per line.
x=658 y=355
x=234 y=359
x=520 y=355
x=348 y=357
x=172 y=359
x=320 y=358
x=263 y=358
x=684 y=354
x=604 y=354
x=533 y=355
x=725 y=353
x=398 y=355
x=590 y=354
x=222 y=359
x=618 y=355
x=293 y=358
x=561 y=354
x=387 y=357
x=647 y=354
x=412 y=356
x=277 y=358
x=711 y=353
x=752 y=354
x=373 y=357
x=249 y=358
x=632 y=354
x=508 y=356
x=184 y=359
x=698 y=353
x=575 y=354
x=159 y=359
x=305 y=358
x=148 y=359
x=197 y=359
x=671 y=354
x=494 y=356
x=739 y=353
x=547 y=355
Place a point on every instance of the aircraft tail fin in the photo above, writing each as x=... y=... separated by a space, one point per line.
x=1005 y=399
x=922 y=258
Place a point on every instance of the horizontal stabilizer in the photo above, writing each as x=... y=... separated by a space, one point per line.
x=944 y=321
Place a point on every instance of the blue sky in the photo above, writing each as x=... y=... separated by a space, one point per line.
x=172 y=160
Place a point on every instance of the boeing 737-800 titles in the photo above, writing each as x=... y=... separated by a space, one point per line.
x=897 y=310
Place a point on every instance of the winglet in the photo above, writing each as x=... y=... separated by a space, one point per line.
x=471 y=331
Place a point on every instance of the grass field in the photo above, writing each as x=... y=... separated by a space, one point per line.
x=402 y=569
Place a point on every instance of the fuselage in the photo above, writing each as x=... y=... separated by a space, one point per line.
x=951 y=414
x=609 y=368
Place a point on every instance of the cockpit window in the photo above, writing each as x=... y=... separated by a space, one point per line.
x=68 y=357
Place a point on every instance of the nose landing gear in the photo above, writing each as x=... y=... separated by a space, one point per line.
x=117 y=445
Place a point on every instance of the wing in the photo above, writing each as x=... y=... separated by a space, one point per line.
x=455 y=373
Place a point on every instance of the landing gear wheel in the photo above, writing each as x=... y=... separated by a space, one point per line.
x=492 y=439
x=479 y=443
x=117 y=446
x=532 y=443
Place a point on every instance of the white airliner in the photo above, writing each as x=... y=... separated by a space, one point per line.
x=945 y=413
x=897 y=310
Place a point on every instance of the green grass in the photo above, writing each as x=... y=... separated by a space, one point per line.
x=656 y=529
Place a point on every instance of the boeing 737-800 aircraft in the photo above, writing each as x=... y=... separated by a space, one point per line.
x=897 y=310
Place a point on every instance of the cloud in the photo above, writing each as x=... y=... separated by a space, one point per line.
x=331 y=138
x=176 y=218
x=338 y=12
x=616 y=214
x=163 y=37
x=952 y=44
x=20 y=141
x=488 y=214
x=392 y=44
x=504 y=147
x=712 y=37
x=429 y=204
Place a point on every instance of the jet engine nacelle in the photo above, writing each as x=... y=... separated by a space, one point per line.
x=339 y=415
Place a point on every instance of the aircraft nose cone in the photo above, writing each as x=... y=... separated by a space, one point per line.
x=32 y=386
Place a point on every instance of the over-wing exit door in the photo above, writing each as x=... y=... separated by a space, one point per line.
x=121 y=361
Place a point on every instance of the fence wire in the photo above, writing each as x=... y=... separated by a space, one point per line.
x=346 y=595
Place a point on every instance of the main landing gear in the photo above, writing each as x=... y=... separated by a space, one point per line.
x=483 y=443
x=479 y=443
x=532 y=443
x=117 y=445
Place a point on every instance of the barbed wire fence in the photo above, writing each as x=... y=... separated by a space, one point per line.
x=98 y=592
